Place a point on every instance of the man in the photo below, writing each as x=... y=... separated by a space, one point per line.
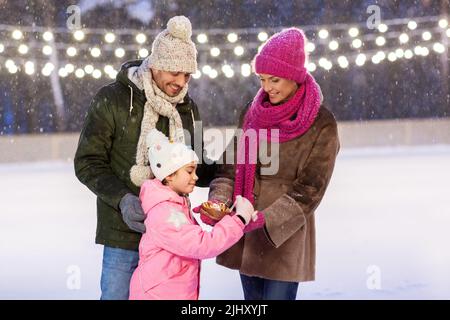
x=111 y=158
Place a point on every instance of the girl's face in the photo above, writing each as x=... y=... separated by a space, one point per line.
x=279 y=89
x=184 y=179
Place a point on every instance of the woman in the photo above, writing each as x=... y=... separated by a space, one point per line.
x=278 y=250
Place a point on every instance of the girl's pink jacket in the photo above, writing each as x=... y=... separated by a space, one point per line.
x=173 y=245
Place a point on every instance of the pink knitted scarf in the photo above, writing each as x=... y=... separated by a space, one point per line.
x=291 y=119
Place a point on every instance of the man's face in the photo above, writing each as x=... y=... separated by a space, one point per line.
x=170 y=82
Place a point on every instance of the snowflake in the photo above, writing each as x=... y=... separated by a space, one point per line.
x=177 y=218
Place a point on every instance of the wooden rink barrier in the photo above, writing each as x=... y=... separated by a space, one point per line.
x=352 y=134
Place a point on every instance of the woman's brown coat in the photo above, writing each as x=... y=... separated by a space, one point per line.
x=285 y=249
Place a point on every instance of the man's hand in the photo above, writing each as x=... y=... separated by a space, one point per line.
x=132 y=213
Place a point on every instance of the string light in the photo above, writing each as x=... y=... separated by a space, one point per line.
x=311 y=66
x=47 y=36
x=357 y=43
x=323 y=34
x=391 y=54
x=399 y=53
x=215 y=52
x=78 y=35
x=197 y=74
x=443 y=23
x=96 y=74
x=108 y=68
x=89 y=69
x=383 y=28
x=69 y=68
x=48 y=69
x=412 y=25
x=333 y=45
x=95 y=52
x=232 y=37
x=71 y=51
x=23 y=49
x=143 y=53
x=119 y=52
x=79 y=73
x=62 y=72
x=417 y=50
x=213 y=74
x=47 y=50
x=408 y=54
x=380 y=41
x=426 y=36
x=206 y=69
x=17 y=34
x=29 y=68
x=353 y=32
x=310 y=47
x=439 y=47
x=228 y=71
x=202 y=38
x=239 y=51
x=381 y=55
x=113 y=74
x=343 y=62
x=360 y=59
x=141 y=38
x=13 y=69
x=325 y=63
x=246 y=70
x=263 y=36
x=404 y=38
x=9 y=63
x=110 y=37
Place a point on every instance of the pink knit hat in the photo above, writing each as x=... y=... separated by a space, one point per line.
x=283 y=55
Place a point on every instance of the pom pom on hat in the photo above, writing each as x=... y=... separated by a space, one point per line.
x=173 y=49
x=180 y=27
x=139 y=174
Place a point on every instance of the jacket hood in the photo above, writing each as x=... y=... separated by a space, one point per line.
x=153 y=192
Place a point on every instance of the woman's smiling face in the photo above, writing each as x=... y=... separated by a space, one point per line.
x=278 y=89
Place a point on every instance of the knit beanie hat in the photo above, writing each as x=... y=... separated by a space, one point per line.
x=167 y=157
x=173 y=49
x=283 y=55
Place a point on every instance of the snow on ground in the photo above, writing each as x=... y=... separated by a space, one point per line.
x=382 y=231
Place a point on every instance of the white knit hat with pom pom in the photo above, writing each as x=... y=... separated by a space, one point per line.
x=167 y=157
x=173 y=49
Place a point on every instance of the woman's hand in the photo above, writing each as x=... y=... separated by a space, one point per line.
x=244 y=208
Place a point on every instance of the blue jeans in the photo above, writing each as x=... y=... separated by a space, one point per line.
x=256 y=288
x=118 y=267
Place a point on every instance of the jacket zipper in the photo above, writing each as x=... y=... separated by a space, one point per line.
x=129 y=112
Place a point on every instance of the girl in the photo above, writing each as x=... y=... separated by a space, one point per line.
x=283 y=238
x=171 y=249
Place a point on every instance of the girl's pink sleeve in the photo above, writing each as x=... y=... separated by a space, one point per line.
x=174 y=232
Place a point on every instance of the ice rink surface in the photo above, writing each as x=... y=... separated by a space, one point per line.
x=382 y=231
